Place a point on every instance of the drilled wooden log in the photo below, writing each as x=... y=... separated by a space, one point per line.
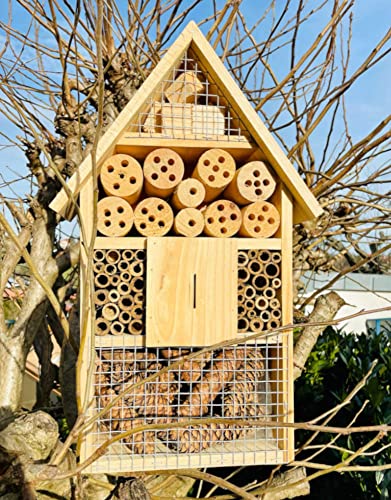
x=215 y=169
x=252 y=182
x=114 y=216
x=261 y=219
x=121 y=175
x=163 y=170
x=222 y=219
x=189 y=222
x=153 y=217
x=189 y=193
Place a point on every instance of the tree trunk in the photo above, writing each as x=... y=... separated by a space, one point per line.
x=13 y=359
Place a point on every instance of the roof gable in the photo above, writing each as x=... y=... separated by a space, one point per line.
x=247 y=124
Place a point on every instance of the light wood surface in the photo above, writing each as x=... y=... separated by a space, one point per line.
x=192 y=301
x=153 y=217
x=252 y=182
x=153 y=122
x=121 y=175
x=189 y=222
x=115 y=216
x=208 y=121
x=215 y=169
x=222 y=219
x=163 y=171
x=185 y=88
x=177 y=120
x=260 y=219
x=189 y=193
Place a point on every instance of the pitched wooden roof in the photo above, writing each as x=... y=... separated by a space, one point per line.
x=306 y=206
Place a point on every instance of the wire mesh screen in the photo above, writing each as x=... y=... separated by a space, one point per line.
x=189 y=104
x=243 y=382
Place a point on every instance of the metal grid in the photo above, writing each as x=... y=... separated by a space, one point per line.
x=243 y=382
x=259 y=287
x=189 y=104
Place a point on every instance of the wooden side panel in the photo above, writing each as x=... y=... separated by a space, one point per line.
x=191 y=291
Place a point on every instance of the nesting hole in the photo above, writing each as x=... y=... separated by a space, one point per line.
x=156 y=159
x=110 y=168
x=154 y=176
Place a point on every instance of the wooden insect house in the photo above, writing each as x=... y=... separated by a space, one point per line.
x=192 y=237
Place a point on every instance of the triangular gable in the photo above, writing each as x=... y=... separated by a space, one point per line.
x=305 y=204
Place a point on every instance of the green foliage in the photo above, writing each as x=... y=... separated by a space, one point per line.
x=336 y=365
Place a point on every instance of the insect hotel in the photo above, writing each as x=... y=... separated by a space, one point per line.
x=192 y=247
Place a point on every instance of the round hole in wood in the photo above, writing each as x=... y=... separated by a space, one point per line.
x=110 y=168
x=116 y=185
x=251 y=216
x=271 y=220
x=233 y=216
x=211 y=178
x=256 y=173
x=223 y=230
x=261 y=218
x=265 y=208
x=206 y=163
x=171 y=161
x=258 y=192
x=120 y=210
x=154 y=176
x=161 y=223
x=210 y=220
x=193 y=191
x=220 y=208
x=107 y=213
x=121 y=224
x=221 y=159
x=225 y=174
x=172 y=177
x=151 y=218
x=222 y=219
x=143 y=225
x=144 y=210
x=248 y=183
x=215 y=168
x=156 y=159
x=163 y=168
x=191 y=222
x=132 y=180
x=266 y=182
x=257 y=183
x=257 y=229
x=107 y=223
x=160 y=208
x=124 y=163
x=121 y=175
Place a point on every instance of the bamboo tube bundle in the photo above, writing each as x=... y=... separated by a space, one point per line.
x=138 y=298
x=163 y=170
x=101 y=297
x=275 y=313
x=276 y=257
x=275 y=304
x=249 y=304
x=137 y=284
x=114 y=216
x=222 y=219
x=189 y=222
x=249 y=292
x=102 y=326
x=252 y=254
x=261 y=219
x=121 y=175
x=251 y=314
x=265 y=316
x=190 y=193
x=252 y=182
x=123 y=265
x=101 y=280
x=110 y=311
x=241 y=286
x=110 y=269
x=273 y=323
x=153 y=217
x=242 y=258
x=276 y=283
x=137 y=312
x=241 y=311
x=215 y=169
x=125 y=276
x=260 y=282
x=139 y=254
x=241 y=298
x=117 y=328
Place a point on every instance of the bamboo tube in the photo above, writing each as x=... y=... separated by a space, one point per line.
x=121 y=175
x=102 y=326
x=242 y=258
x=139 y=254
x=101 y=297
x=123 y=265
x=128 y=254
x=110 y=311
x=264 y=256
x=138 y=298
x=114 y=280
x=243 y=274
x=136 y=327
x=113 y=256
x=265 y=316
x=256 y=325
x=276 y=314
x=241 y=298
x=215 y=169
x=252 y=254
x=251 y=313
x=136 y=268
x=98 y=267
x=261 y=303
x=114 y=216
x=222 y=219
x=189 y=222
x=276 y=283
x=125 y=276
x=99 y=255
x=189 y=193
x=125 y=317
x=243 y=325
x=255 y=267
x=269 y=292
x=272 y=270
x=273 y=323
x=125 y=302
x=252 y=182
x=153 y=217
x=249 y=292
x=241 y=287
x=110 y=269
x=117 y=328
x=124 y=288
x=260 y=282
x=114 y=295
x=241 y=311
x=137 y=284
x=276 y=257
x=275 y=304
x=249 y=304
x=261 y=219
x=163 y=171
x=137 y=312
x=101 y=280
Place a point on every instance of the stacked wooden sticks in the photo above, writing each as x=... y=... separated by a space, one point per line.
x=119 y=291
x=259 y=308
x=216 y=199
